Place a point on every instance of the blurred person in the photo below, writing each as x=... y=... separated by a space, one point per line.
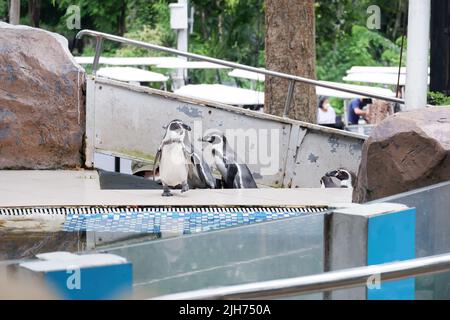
x=355 y=109
x=398 y=106
x=326 y=113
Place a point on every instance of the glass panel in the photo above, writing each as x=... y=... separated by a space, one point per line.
x=432 y=237
x=264 y=251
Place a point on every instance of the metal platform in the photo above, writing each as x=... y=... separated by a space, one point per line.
x=82 y=188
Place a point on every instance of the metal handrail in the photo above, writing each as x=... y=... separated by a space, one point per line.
x=293 y=79
x=347 y=278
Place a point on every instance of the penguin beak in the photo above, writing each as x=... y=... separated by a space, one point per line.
x=333 y=173
x=185 y=126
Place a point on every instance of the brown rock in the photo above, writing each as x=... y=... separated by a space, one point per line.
x=406 y=151
x=378 y=111
x=42 y=101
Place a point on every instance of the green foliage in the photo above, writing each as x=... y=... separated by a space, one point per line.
x=338 y=105
x=228 y=29
x=438 y=99
x=3 y=10
x=158 y=33
x=362 y=47
x=234 y=30
x=145 y=12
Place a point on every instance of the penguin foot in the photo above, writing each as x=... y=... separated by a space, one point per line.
x=184 y=187
x=167 y=193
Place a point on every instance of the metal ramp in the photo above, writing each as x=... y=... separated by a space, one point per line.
x=125 y=121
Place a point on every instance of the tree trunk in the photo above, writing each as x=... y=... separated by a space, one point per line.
x=440 y=47
x=122 y=18
x=14 y=12
x=34 y=12
x=291 y=48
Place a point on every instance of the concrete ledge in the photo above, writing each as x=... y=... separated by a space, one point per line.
x=82 y=188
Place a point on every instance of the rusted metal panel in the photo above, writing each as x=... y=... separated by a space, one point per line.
x=320 y=153
x=128 y=122
x=295 y=140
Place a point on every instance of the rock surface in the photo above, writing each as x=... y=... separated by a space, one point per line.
x=406 y=151
x=378 y=111
x=42 y=101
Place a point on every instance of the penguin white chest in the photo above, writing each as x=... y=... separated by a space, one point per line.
x=218 y=161
x=173 y=168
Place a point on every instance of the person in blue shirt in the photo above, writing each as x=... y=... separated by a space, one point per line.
x=355 y=109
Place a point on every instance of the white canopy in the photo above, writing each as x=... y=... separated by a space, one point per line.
x=380 y=78
x=321 y=91
x=183 y=64
x=360 y=69
x=380 y=75
x=139 y=61
x=129 y=74
x=129 y=61
x=89 y=60
x=222 y=94
x=239 y=73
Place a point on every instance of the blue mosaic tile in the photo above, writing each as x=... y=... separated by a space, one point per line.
x=172 y=220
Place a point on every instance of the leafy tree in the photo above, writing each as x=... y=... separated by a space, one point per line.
x=234 y=30
x=3 y=10
x=438 y=99
x=151 y=30
x=362 y=47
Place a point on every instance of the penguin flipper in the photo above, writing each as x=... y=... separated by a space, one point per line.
x=249 y=180
x=202 y=172
x=157 y=158
x=230 y=182
x=206 y=174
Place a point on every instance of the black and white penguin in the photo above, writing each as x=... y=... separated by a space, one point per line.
x=347 y=178
x=199 y=174
x=173 y=157
x=235 y=175
x=327 y=182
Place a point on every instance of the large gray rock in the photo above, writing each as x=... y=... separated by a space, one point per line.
x=406 y=151
x=42 y=113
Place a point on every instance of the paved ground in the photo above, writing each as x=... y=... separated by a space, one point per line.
x=67 y=188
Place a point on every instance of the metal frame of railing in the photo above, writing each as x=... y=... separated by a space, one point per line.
x=292 y=79
x=329 y=281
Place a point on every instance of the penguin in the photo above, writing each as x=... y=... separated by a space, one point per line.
x=199 y=174
x=234 y=175
x=173 y=157
x=327 y=182
x=346 y=177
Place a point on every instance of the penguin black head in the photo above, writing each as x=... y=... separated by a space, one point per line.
x=177 y=125
x=346 y=177
x=215 y=139
x=218 y=142
x=327 y=182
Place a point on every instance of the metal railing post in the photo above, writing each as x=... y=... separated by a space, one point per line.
x=98 y=51
x=290 y=95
